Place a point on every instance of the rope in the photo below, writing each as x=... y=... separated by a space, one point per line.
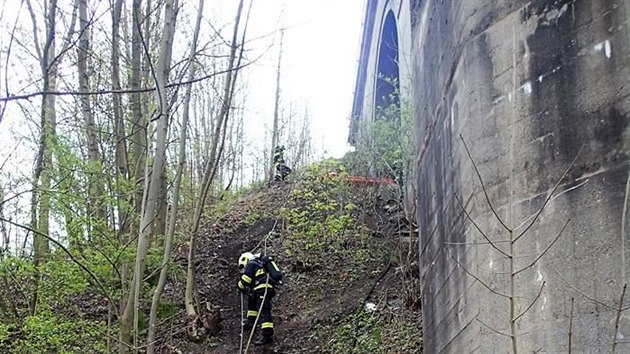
x=275 y=223
x=251 y=334
x=264 y=243
x=240 y=348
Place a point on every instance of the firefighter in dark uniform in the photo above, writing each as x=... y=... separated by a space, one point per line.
x=258 y=277
x=282 y=170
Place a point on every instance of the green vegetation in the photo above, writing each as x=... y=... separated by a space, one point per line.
x=364 y=332
x=323 y=224
x=48 y=333
x=385 y=145
x=57 y=326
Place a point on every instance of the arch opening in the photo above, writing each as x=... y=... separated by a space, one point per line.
x=388 y=81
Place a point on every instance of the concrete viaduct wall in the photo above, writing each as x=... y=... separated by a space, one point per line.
x=529 y=85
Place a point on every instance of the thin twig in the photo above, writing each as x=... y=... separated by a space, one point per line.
x=550 y=194
x=623 y=229
x=551 y=200
x=532 y=303
x=483 y=187
x=571 y=325
x=479 y=229
x=474 y=243
x=72 y=258
x=619 y=311
x=124 y=91
x=546 y=249
x=584 y=294
x=479 y=280
x=493 y=330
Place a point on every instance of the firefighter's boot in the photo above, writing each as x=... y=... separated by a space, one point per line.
x=263 y=340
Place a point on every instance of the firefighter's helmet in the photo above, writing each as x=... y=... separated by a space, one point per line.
x=243 y=260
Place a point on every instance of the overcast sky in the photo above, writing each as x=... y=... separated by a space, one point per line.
x=321 y=48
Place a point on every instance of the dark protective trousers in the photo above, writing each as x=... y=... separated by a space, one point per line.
x=253 y=305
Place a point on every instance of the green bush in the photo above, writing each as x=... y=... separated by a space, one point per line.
x=356 y=333
x=49 y=334
x=322 y=223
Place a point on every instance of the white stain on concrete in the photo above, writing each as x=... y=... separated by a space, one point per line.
x=540 y=276
x=491 y=264
x=540 y=78
x=542 y=308
x=527 y=87
x=605 y=47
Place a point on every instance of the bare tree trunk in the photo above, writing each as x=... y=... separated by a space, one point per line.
x=122 y=164
x=274 y=131
x=139 y=123
x=176 y=188
x=152 y=188
x=159 y=225
x=137 y=170
x=95 y=207
x=42 y=176
x=122 y=168
x=210 y=170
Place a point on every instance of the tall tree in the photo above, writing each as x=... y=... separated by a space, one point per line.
x=95 y=208
x=210 y=170
x=138 y=121
x=274 y=131
x=176 y=188
x=151 y=195
x=42 y=176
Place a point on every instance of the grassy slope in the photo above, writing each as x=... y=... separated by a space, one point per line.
x=330 y=242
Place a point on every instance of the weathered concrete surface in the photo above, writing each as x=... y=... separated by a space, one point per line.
x=527 y=84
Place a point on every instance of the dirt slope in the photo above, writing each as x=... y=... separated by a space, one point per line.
x=318 y=309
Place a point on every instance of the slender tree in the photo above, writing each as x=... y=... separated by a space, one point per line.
x=95 y=208
x=176 y=188
x=151 y=193
x=192 y=312
x=42 y=176
x=274 y=131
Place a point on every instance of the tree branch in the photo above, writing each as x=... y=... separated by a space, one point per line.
x=479 y=229
x=124 y=91
x=493 y=330
x=550 y=194
x=619 y=311
x=483 y=187
x=479 y=280
x=70 y=255
x=532 y=303
x=584 y=294
x=546 y=249
x=571 y=325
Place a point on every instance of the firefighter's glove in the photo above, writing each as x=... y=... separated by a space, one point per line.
x=245 y=290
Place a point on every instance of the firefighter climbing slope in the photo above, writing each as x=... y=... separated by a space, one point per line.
x=258 y=277
x=282 y=170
